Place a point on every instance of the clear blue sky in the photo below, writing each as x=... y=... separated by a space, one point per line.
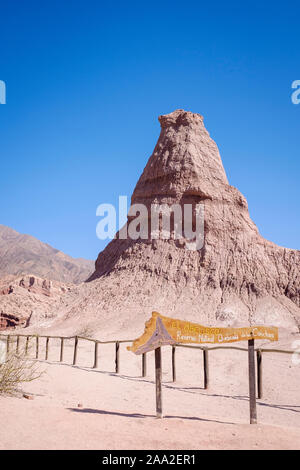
x=86 y=81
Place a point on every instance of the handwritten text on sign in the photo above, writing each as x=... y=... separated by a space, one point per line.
x=160 y=331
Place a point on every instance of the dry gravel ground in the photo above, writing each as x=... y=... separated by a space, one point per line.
x=118 y=411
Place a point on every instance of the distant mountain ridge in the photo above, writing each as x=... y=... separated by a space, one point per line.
x=23 y=254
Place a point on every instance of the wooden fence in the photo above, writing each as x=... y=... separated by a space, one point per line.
x=206 y=351
x=255 y=377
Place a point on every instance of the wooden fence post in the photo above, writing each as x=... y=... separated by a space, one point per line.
x=75 y=351
x=205 y=369
x=27 y=345
x=37 y=347
x=252 y=384
x=144 y=365
x=47 y=348
x=259 y=374
x=61 y=349
x=18 y=344
x=158 y=376
x=117 y=361
x=95 y=366
x=173 y=363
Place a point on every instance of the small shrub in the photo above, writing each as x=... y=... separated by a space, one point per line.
x=15 y=371
x=85 y=332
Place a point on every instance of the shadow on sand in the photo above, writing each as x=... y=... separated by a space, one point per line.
x=140 y=415
x=192 y=390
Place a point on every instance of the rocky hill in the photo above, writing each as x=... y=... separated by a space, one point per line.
x=23 y=254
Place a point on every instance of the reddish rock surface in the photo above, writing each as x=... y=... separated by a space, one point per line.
x=8 y=321
x=20 y=297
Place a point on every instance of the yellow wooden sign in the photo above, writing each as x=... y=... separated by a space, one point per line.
x=160 y=331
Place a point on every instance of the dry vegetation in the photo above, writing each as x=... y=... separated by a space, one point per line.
x=15 y=371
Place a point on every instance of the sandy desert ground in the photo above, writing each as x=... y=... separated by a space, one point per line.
x=77 y=407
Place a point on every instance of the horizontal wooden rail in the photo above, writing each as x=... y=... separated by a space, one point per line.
x=275 y=350
x=179 y=345
x=68 y=338
x=214 y=348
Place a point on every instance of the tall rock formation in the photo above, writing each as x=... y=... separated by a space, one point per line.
x=237 y=278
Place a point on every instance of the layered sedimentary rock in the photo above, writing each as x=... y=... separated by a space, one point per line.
x=20 y=297
x=8 y=321
x=236 y=278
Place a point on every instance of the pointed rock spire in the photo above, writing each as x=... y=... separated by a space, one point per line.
x=236 y=278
